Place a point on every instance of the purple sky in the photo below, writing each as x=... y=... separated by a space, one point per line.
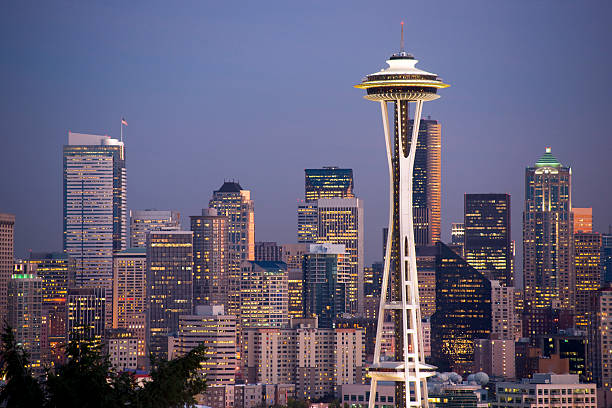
x=258 y=91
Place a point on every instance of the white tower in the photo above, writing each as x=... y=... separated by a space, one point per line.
x=401 y=83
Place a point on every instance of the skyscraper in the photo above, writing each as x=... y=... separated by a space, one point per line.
x=463 y=311
x=268 y=251
x=402 y=83
x=95 y=212
x=169 y=285
x=328 y=182
x=308 y=222
x=600 y=332
x=264 y=299
x=457 y=233
x=325 y=280
x=210 y=258
x=293 y=256
x=583 y=219
x=144 y=221
x=606 y=256
x=7 y=239
x=587 y=267
x=487 y=239
x=549 y=277
x=235 y=203
x=86 y=314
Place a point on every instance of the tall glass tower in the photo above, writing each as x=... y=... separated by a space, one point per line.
x=328 y=182
x=400 y=84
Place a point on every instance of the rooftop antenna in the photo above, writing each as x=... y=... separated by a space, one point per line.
x=402 y=42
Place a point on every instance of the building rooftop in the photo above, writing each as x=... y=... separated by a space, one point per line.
x=548 y=160
x=229 y=187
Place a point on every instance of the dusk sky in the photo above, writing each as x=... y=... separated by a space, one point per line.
x=259 y=91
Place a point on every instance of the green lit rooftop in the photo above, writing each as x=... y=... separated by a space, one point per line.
x=548 y=160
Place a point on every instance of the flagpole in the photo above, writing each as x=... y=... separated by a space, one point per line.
x=122 y=130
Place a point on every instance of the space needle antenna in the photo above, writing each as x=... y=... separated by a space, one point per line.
x=402 y=40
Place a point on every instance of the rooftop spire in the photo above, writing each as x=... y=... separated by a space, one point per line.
x=402 y=40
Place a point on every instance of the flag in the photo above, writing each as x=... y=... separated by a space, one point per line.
x=123 y=121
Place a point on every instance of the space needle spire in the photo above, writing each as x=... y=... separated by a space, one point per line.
x=402 y=85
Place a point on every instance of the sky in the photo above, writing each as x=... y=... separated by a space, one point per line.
x=259 y=91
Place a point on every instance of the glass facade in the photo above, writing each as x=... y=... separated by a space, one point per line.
x=328 y=182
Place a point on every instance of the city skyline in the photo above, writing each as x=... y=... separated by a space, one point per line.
x=165 y=139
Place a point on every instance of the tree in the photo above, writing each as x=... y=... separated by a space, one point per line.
x=21 y=388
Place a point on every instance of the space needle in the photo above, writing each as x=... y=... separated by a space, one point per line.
x=400 y=84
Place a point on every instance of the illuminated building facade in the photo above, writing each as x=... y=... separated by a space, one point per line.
x=325 y=280
x=600 y=333
x=86 y=313
x=210 y=258
x=400 y=84
x=293 y=256
x=121 y=347
x=95 y=214
x=264 y=299
x=487 y=239
x=504 y=318
x=235 y=203
x=129 y=294
x=547 y=235
x=56 y=269
x=209 y=325
x=169 y=285
x=463 y=311
x=308 y=222
x=457 y=233
x=606 y=256
x=144 y=221
x=570 y=345
x=495 y=357
x=583 y=219
x=25 y=296
x=328 y=182
x=7 y=242
x=587 y=267
x=426 y=271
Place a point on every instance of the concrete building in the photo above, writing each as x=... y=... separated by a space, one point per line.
x=583 y=219
x=7 y=242
x=209 y=325
x=546 y=390
x=358 y=395
x=129 y=295
x=600 y=336
x=235 y=203
x=122 y=346
x=144 y=221
x=95 y=212
x=264 y=299
x=317 y=360
x=293 y=256
x=268 y=251
x=211 y=258
x=25 y=295
x=503 y=316
x=169 y=285
x=495 y=356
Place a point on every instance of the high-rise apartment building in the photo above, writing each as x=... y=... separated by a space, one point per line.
x=264 y=299
x=210 y=258
x=95 y=214
x=25 y=311
x=86 y=314
x=325 y=280
x=487 y=239
x=169 y=285
x=293 y=256
x=463 y=311
x=457 y=233
x=587 y=268
x=328 y=182
x=340 y=221
x=426 y=271
x=209 y=325
x=606 y=256
x=427 y=182
x=495 y=357
x=235 y=203
x=600 y=334
x=548 y=268
x=144 y=221
x=121 y=347
x=7 y=242
x=268 y=251
x=503 y=316
x=129 y=295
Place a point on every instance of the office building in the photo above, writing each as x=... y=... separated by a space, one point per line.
x=145 y=221
x=487 y=239
x=457 y=233
x=307 y=222
x=426 y=272
x=600 y=334
x=129 y=295
x=25 y=298
x=95 y=214
x=235 y=203
x=264 y=299
x=583 y=219
x=587 y=268
x=495 y=356
x=86 y=313
x=7 y=239
x=546 y=390
x=169 y=285
x=547 y=235
x=606 y=256
x=293 y=256
x=326 y=275
x=570 y=345
x=268 y=251
x=328 y=182
x=503 y=316
x=121 y=347
x=210 y=326
x=211 y=258
x=463 y=311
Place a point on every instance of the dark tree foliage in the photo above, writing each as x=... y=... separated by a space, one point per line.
x=21 y=388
